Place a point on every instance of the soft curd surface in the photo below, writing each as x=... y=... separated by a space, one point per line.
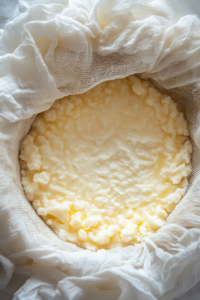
x=105 y=168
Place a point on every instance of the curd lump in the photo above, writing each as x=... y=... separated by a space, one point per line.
x=105 y=168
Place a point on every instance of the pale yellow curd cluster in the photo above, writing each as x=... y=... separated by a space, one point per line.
x=106 y=168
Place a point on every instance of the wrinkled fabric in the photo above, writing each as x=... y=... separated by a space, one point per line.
x=56 y=48
x=6 y=271
x=8 y=11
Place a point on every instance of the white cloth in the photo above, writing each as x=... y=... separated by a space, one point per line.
x=55 y=49
x=8 y=11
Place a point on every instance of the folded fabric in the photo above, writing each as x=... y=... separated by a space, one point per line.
x=57 y=48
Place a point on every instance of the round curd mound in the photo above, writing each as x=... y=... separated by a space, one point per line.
x=106 y=168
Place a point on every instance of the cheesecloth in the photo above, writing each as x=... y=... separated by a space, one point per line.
x=57 y=48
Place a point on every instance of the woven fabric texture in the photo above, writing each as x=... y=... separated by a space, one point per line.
x=57 y=48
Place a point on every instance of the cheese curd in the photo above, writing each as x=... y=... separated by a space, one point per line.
x=106 y=168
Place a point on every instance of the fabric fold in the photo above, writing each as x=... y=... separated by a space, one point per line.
x=55 y=49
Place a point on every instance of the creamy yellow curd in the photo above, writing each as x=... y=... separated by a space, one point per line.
x=106 y=168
